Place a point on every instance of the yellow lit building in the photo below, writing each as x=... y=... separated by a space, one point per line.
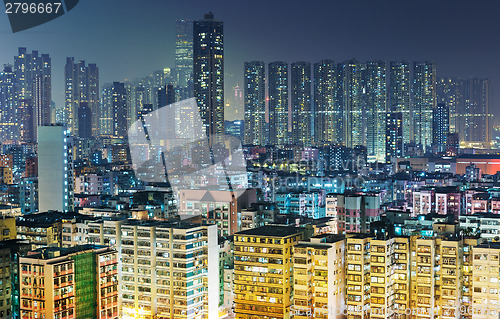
x=357 y=276
x=6 y=175
x=466 y=276
x=377 y=277
x=448 y=291
x=8 y=228
x=319 y=277
x=263 y=272
x=401 y=287
x=485 y=288
x=422 y=275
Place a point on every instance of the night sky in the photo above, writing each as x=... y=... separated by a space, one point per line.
x=130 y=39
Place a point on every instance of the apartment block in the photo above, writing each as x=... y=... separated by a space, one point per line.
x=357 y=276
x=77 y=282
x=216 y=207
x=263 y=271
x=485 y=287
x=9 y=276
x=319 y=277
x=8 y=228
x=169 y=270
x=353 y=212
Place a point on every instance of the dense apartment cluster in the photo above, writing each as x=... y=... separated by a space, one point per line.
x=363 y=276
x=371 y=104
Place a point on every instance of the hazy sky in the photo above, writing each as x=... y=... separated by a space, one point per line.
x=129 y=39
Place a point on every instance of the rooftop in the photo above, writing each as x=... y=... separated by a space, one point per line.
x=48 y=253
x=272 y=231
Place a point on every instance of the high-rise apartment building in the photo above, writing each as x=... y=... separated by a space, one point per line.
x=352 y=73
x=220 y=207
x=183 y=52
x=55 y=169
x=263 y=271
x=84 y=120
x=77 y=282
x=8 y=105
x=440 y=126
x=484 y=263
x=119 y=109
x=10 y=250
x=375 y=110
x=469 y=104
x=278 y=103
x=106 y=111
x=300 y=86
x=399 y=96
x=475 y=118
x=166 y=95
x=82 y=86
x=255 y=103
x=319 y=277
x=357 y=274
x=435 y=276
x=394 y=135
x=450 y=92
x=424 y=102
x=208 y=71
x=328 y=107
x=33 y=74
x=168 y=270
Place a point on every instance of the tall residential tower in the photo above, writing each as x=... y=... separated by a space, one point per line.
x=255 y=103
x=208 y=70
x=301 y=103
x=278 y=103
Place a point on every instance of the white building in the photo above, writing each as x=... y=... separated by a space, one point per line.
x=55 y=169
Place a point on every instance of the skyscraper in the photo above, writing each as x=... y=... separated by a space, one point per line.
x=399 y=96
x=450 y=92
x=55 y=169
x=34 y=78
x=278 y=103
x=424 y=101
x=8 y=106
x=93 y=96
x=375 y=92
x=166 y=95
x=183 y=52
x=255 y=103
x=119 y=109
x=353 y=103
x=475 y=118
x=301 y=103
x=82 y=85
x=394 y=135
x=328 y=107
x=208 y=71
x=441 y=126
x=106 y=111
x=84 y=120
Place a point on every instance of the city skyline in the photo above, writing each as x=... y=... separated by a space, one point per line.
x=461 y=38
